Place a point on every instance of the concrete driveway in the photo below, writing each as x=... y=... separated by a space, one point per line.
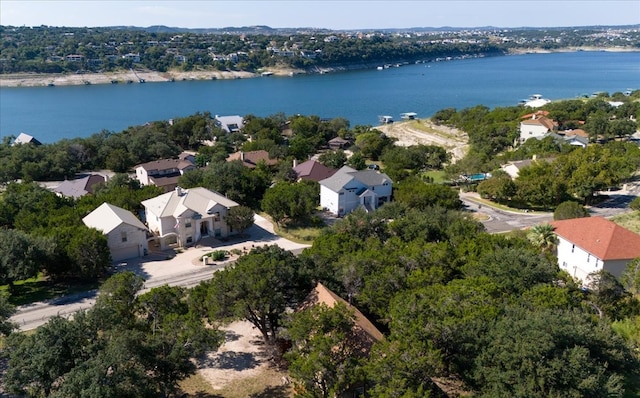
x=176 y=268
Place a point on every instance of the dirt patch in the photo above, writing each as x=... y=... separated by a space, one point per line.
x=423 y=131
x=242 y=362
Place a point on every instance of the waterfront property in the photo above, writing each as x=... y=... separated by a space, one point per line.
x=592 y=244
x=536 y=127
x=349 y=189
x=126 y=234
x=184 y=216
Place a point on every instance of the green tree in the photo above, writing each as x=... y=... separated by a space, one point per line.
x=240 y=218
x=542 y=236
x=259 y=288
x=293 y=202
x=569 y=209
x=501 y=189
x=357 y=161
x=631 y=277
x=553 y=353
x=21 y=255
x=333 y=159
x=419 y=195
x=6 y=310
x=326 y=352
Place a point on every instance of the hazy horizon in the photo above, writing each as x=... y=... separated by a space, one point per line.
x=321 y=14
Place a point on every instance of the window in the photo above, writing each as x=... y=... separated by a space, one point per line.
x=123 y=235
x=573 y=248
x=588 y=257
x=189 y=239
x=187 y=224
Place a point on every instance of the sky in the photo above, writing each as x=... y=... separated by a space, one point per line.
x=330 y=14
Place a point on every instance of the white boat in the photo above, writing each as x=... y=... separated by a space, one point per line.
x=536 y=101
x=408 y=115
x=385 y=119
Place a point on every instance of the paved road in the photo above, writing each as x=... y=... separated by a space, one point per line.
x=183 y=269
x=503 y=221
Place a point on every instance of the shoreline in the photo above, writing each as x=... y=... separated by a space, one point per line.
x=129 y=77
x=28 y=79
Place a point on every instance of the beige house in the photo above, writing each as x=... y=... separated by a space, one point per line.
x=126 y=234
x=184 y=216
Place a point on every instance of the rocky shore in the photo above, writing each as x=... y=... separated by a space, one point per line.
x=128 y=77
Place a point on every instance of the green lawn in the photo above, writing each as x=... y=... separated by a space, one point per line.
x=40 y=289
x=437 y=175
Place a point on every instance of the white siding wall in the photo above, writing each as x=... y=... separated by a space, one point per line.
x=530 y=131
x=330 y=199
x=576 y=261
x=141 y=175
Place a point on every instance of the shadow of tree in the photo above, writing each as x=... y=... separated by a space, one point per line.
x=273 y=392
x=233 y=360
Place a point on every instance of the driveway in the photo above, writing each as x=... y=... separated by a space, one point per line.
x=183 y=268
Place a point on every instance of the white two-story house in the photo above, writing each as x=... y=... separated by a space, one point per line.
x=591 y=244
x=349 y=189
x=184 y=216
x=536 y=127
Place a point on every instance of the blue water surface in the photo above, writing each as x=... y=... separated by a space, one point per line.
x=54 y=113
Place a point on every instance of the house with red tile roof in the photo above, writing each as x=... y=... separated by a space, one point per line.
x=591 y=244
x=536 y=127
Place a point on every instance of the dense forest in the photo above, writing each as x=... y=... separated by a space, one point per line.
x=47 y=49
x=491 y=314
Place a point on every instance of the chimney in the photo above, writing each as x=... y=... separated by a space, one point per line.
x=179 y=191
x=295 y=163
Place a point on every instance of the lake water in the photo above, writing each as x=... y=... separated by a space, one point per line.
x=53 y=113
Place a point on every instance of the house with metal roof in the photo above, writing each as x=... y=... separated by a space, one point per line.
x=126 y=234
x=349 y=189
x=591 y=244
x=184 y=216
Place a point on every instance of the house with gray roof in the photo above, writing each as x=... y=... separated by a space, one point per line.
x=126 y=234
x=78 y=187
x=184 y=216
x=349 y=189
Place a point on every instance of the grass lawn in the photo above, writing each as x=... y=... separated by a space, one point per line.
x=299 y=234
x=437 y=175
x=630 y=221
x=40 y=289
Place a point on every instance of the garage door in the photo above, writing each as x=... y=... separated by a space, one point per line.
x=124 y=253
